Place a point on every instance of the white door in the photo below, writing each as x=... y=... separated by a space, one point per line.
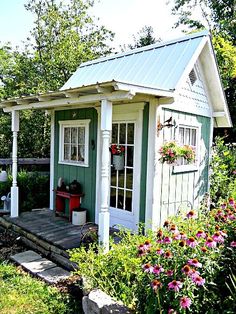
x=125 y=184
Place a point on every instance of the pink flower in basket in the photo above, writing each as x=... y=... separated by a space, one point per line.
x=117 y=149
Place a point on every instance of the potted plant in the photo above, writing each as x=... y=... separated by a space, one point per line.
x=117 y=152
x=188 y=153
x=169 y=152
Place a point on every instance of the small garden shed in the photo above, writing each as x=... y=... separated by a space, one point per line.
x=139 y=100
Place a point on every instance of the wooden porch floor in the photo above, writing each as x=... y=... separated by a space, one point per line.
x=56 y=231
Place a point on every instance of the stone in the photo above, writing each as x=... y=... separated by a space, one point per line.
x=25 y=257
x=39 y=265
x=54 y=275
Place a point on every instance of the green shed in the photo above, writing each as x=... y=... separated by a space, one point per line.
x=135 y=130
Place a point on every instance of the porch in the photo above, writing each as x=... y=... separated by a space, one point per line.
x=52 y=236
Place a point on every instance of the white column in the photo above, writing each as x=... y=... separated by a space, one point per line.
x=104 y=215
x=14 y=188
x=52 y=144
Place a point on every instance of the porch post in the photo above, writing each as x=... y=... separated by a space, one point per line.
x=14 y=188
x=104 y=215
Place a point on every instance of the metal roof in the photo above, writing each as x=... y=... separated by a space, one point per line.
x=157 y=66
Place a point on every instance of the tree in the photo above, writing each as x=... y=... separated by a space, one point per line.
x=219 y=16
x=143 y=38
x=64 y=35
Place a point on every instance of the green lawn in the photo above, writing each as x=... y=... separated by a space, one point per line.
x=22 y=294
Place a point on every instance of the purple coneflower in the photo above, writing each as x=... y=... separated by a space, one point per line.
x=233 y=244
x=201 y=234
x=210 y=243
x=147 y=268
x=191 y=214
x=193 y=274
x=147 y=244
x=159 y=251
x=157 y=269
x=217 y=237
x=194 y=262
x=169 y=273
x=156 y=284
x=186 y=269
x=176 y=236
x=175 y=285
x=198 y=280
x=168 y=254
x=191 y=242
x=172 y=311
x=185 y=302
x=167 y=240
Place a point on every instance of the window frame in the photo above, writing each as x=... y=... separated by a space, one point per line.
x=194 y=166
x=74 y=124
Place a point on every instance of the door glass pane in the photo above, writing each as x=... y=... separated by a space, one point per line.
x=114 y=133
x=129 y=178
x=113 y=176
x=181 y=135
x=128 y=201
x=121 y=176
x=122 y=133
x=130 y=152
x=187 y=136
x=81 y=153
x=113 y=198
x=67 y=135
x=120 y=199
x=130 y=134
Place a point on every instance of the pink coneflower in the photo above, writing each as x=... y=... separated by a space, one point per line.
x=198 y=280
x=232 y=217
x=183 y=235
x=168 y=254
x=156 y=284
x=159 y=251
x=191 y=242
x=147 y=268
x=201 y=234
x=167 y=240
x=157 y=269
x=182 y=243
x=191 y=214
x=185 y=302
x=193 y=274
x=169 y=273
x=141 y=252
x=217 y=237
x=176 y=236
x=204 y=249
x=175 y=285
x=223 y=233
x=159 y=233
x=173 y=228
x=172 y=311
x=194 y=262
x=186 y=269
x=147 y=244
x=231 y=201
x=223 y=206
x=210 y=243
x=233 y=244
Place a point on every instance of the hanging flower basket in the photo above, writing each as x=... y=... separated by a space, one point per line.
x=118 y=162
x=171 y=151
x=118 y=159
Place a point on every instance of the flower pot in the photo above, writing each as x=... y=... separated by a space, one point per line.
x=79 y=217
x=118 y=162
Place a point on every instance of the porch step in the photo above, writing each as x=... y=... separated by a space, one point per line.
x=40 y=267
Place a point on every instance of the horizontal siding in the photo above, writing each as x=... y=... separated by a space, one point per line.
x=86 y=176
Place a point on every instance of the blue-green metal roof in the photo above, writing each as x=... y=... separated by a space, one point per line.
x=157 y=66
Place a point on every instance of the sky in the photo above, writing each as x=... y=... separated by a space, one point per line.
x=124 y=17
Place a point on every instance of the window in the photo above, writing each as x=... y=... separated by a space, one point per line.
x=74 y=136
x=187 y=135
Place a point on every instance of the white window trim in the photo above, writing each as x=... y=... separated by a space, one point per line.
x=74 y=123
x=195 y=166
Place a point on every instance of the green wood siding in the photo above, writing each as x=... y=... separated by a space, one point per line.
x=85 y=175
x=179 y=188
x=144 y=163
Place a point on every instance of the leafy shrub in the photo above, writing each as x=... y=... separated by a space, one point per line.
x=33 y=189
x=184 y=266
x=223 y=171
